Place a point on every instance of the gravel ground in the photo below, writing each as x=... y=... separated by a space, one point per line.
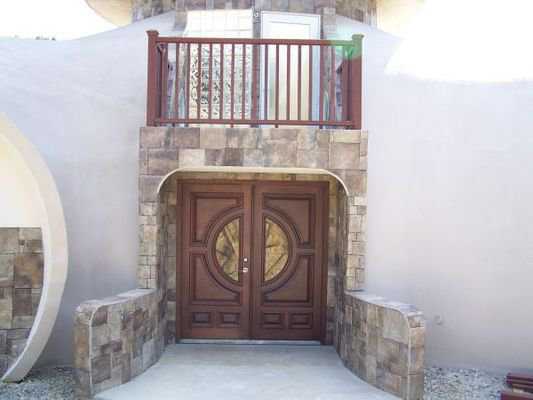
x=461 y=384
x=56 y=383
x=53 y=383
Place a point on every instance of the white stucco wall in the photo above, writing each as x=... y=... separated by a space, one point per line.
x=20 y=203
x=449 y=184
x=450 y=174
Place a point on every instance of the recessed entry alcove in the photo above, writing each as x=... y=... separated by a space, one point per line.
x=249 y=255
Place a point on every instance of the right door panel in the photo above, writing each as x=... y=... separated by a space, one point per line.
x=288 y=257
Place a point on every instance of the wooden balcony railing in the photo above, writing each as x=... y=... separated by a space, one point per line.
x=254 y=81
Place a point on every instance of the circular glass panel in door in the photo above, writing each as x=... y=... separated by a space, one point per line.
x=227 y=249
x=276 y=250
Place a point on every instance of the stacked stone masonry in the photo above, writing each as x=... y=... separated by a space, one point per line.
x=164 y=150
x=115 y=339
x=383 y=343
x=21 y=282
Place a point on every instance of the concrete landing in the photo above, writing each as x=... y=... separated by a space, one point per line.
x=244 y=372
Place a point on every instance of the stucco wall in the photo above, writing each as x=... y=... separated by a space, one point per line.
x=449 y=194
x=18 y=192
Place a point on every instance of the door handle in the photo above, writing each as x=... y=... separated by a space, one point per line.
x=245 y=259
x=245 y=270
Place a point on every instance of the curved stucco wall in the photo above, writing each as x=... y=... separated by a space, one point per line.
x=44 y=205
x=449 y=194
x=18 y=194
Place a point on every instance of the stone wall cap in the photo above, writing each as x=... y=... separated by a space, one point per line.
x=408 y=310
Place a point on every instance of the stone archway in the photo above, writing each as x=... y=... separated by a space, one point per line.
x=169 y=224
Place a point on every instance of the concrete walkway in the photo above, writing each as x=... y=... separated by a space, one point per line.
x=258 y=372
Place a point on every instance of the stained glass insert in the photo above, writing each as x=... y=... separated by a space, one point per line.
x=227 y=249
x=276 y=249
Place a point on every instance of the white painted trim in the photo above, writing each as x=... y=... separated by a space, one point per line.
x=256 y=170
x=54 y=247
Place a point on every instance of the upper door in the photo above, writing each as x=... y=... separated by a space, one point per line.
x=215 y=249
x=288 y=260
x=279 y=25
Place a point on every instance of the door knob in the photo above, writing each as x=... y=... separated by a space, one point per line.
x=245 y=270
x=245 y=259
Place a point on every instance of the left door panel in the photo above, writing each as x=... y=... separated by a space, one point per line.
x=215 y=242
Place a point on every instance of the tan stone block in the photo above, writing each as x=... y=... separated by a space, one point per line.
x=148 y=236
x=280 y=153
x=143 y=162
x=17 y=346
x=344 y=156
x=413 y=387
x=6 y=270
x=233 y=157
x=243 y=138
x=101 y=368
x=363 y=163
x=154 y=137
x=162 y=161
x=395 y=326
x=192 y=158
x=212 y=138
x=30 y=234
x=213 y=157
x=148 y=185
x=6 y=308
x=22 y=302
x=354 y=223
x=253 y=158
x=28 y=271
x=25 y=321
x=312 y=159
x=355 y=180
x=357 y=200
x=148 y=208
x=9 y=240
x=345 y=136
x=81 y=347
x=363 y=147
x=417 y=336
x=185 y=138
x=307 y=138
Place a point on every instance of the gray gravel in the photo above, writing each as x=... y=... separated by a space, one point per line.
x=461 y=384
x=53 y=383
x=57 y=383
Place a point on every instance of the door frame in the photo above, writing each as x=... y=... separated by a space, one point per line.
x=324 y=186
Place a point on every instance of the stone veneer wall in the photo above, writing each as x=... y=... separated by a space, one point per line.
x=164 y=150
x=383 y=343
x=21 y=282
x=115 y=339
x=141 y=9
x=358 y=10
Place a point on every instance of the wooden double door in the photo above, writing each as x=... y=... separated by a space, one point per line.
x=252 y=260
